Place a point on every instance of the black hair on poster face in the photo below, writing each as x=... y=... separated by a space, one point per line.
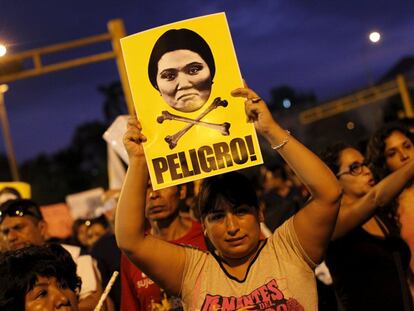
x=179 y=39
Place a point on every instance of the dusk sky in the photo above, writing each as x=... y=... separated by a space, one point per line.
x=319 y=46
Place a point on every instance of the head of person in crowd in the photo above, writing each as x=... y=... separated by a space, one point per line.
x=38 y=278
x=390 y=148
x=181 y=67
x=350 y=167
x=163 y=205
x=9 y=193
x=22 y=224
x=80 y=232
x=96 y=228
x=230 y=215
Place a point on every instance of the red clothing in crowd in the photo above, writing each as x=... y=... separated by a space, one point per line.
x=140 y=293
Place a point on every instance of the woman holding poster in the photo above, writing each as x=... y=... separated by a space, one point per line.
x=243 y=271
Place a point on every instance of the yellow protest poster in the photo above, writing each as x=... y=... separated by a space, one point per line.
x=13 y=189
x=181 y=76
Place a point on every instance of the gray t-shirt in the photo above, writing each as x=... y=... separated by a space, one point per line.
x=280 y=278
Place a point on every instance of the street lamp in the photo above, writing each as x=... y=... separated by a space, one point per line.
x=3 y=50
x=6 y=134
x=374 y=37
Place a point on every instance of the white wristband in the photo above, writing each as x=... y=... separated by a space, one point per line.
x=284 y=142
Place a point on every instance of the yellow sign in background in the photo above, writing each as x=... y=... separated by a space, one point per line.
x=23 y=188
x=203 y=150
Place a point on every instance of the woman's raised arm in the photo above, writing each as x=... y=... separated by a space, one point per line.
x=315 y=222
x=162 y=261
x=356 y=213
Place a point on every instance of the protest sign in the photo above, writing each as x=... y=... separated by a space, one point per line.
x=181 y=76
x=13 y=189
x=83 y=204
x=58 y=219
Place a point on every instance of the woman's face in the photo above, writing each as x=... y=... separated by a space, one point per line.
x=82 y=234
x=233 y=230
x=184 y=80
x=354 y=176
x=398 y=150
x=48 y=294
x=95 y=231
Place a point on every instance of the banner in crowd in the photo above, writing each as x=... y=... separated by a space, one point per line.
x=13 y=189
x=84 y=204
x=181 y=76
x=58 y=219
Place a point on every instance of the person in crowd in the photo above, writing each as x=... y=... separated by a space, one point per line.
x=80 y=234
x=22 y=224
x=98 y=226
x=106 y=251
x=162 y=210
x=38 y=278
x=389 y=149
x=181 y=68
x=281 y=198
x=7 y=193
x=242 y=271
x=367 y=259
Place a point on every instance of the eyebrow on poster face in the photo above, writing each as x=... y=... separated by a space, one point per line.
x=192 y=68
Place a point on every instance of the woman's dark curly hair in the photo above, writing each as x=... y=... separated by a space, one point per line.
x=331 y=154
x=376 y=147
x=20 y=269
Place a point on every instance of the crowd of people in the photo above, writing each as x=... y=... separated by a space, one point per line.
x=232 y=242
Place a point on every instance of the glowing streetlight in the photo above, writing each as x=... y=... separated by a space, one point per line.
x=374 y=37
x=4 y=88
x=350 y=125
x=3 y=50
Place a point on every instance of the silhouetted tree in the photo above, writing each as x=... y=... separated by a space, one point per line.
x=5 y=174
x=79 y=167
x=114 y=103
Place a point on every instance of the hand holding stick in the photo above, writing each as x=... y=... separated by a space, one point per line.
x=106 y=291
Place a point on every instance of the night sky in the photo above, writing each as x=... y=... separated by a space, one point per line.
x=319 y=46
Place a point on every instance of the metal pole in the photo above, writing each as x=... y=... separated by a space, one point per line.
x=405 y=96
x=7 y=137
x=117 y=30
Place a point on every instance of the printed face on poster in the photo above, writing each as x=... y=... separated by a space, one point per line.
x=181 y=76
